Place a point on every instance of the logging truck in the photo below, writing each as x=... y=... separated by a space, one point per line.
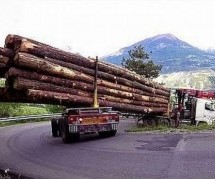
x=76 y=121
x=185 y=105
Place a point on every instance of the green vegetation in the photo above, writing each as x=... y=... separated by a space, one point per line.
x=54 y=108
x=139 y=62
x=182 y=128
x=19 y=109
x=2 y=82
x=24 y=110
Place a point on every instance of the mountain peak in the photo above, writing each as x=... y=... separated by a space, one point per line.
x=164 y=36
x=170 y=52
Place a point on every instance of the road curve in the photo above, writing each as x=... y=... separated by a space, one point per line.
x=30 y=150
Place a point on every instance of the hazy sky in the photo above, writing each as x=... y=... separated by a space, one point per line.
x=100 y=27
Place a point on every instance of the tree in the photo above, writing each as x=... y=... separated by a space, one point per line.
x=139 y=62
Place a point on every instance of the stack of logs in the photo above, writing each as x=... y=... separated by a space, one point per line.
x=39 y=73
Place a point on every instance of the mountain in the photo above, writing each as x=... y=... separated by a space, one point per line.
x=211 y=50
x=174 y=54
x=198 y=79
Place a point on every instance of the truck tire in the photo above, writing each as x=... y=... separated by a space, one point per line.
x=55 y=128
x=165 y=122
x=66 y=138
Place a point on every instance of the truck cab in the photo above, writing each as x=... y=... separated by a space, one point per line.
x=205 y=111
x=77 y=121
x=197 y=106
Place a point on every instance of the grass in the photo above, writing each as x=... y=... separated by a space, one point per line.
x=181 y=128
x=25 y=110
x=28 y=110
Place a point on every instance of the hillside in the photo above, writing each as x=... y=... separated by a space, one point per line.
x=198 y=79
x=174 y=54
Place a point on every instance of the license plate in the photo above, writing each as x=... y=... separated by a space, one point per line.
x=92 y=120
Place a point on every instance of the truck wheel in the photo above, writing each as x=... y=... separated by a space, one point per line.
x=66 y=138
x=165 y=122
x=55 y=128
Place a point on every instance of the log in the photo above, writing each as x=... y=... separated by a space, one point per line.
x=40 y=65
x=109 y=77
x=7 y=52
x=4 y=60
x=2 y=65
x=67 y=99
x=14 y=72
x=13 y=96
x=134 y=102
x=24 y=84
x=22 y=44
x=3 y=69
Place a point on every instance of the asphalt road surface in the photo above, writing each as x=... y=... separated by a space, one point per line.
x=29 y=149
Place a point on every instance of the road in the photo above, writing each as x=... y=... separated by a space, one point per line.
x=29 y=149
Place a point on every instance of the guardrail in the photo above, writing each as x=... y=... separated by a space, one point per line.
x=30 y=117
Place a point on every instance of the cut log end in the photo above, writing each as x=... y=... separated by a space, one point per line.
x=4 y=59
x=26 y=45
x=8 y=40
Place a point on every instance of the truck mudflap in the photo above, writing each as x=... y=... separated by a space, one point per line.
x=86 y=128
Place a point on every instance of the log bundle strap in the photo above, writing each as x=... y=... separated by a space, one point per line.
x=40 y=73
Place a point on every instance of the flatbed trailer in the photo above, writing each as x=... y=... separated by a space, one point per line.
x=77 y=121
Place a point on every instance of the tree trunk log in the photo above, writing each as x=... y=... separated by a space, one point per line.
x=67 y=99
x=4 y=60
x=24 y=84
x=2 y=65
x=134 y=102
x=109 y=77
x=22 y=44
x=14 y=96
x=14 y=72
x=3 y=69
x=38 y=64
x=7 y=52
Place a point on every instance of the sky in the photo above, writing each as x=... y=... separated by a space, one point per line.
x=101 y=27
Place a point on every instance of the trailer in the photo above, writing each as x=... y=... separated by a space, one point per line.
x=77 y=121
